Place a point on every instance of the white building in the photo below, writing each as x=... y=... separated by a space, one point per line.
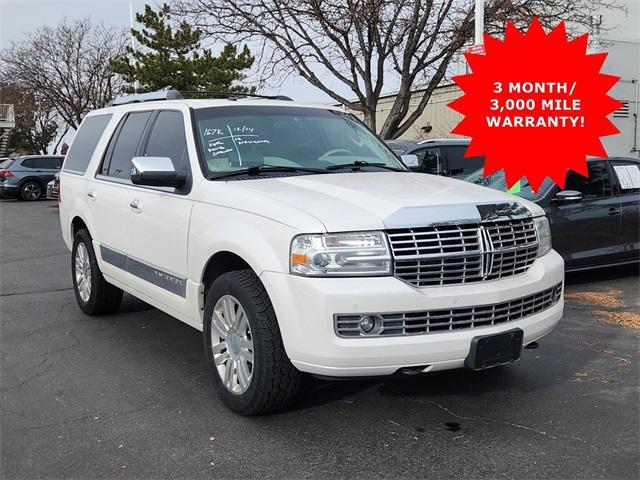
x=616 y=32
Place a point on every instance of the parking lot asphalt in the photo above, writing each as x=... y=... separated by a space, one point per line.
x=129 y=395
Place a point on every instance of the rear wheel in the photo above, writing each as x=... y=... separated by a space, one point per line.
x=94 y=294
x=243 y=346
x=30 y=191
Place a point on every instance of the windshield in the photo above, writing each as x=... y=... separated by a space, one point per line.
x=497 y=181
x=236 y=138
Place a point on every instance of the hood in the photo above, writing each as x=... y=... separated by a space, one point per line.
x=379 y=200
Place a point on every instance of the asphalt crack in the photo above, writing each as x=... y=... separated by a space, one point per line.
x=497 y=421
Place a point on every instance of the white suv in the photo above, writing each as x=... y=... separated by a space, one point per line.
x=296 y=241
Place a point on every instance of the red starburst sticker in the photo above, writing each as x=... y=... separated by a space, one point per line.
x=535 y=105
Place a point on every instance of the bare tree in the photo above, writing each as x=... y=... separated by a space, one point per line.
x=367 y=45
x=36 y=125
x=67 y=65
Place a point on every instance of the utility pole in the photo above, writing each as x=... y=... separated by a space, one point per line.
x=133 y=39
x=479 y=22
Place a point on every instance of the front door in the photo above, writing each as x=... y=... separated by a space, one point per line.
x=158 y=218
x=588 y=232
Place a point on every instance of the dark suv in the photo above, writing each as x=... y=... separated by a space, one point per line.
x=443 y=156
x=26 y=177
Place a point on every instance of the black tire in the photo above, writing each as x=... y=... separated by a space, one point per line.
x=275 y=382
x=104 y=298
x=30 y=191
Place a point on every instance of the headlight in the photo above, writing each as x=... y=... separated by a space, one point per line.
x=341 y=254
x=544 y=235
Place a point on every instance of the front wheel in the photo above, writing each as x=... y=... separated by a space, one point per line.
x=243 y=346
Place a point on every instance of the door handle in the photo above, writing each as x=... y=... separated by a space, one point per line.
x=136 y=205
x=614 y=211
x=92 y=195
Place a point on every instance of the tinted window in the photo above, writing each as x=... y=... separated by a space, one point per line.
x=430 y=160
x=458 y=165
x=126 y=145
x=49 y=163
x=167 y=139
x=29 y=163
x=85 y=142
x=597 y=185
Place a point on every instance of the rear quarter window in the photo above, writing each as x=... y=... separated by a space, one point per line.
x=85 y=142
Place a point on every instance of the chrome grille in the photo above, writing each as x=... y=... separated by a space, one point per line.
x=434 y=321
x=452 y=254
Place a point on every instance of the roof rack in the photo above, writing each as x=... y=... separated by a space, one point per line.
x=146 y=97
x=169 y=94
x=233 y=95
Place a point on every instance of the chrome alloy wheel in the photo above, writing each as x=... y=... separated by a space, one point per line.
x=83 y=272
x=32 y=191
x=232 y=344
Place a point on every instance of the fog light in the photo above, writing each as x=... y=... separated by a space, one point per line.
x=370 y=324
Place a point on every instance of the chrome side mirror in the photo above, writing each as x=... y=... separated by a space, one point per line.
x=156 y=172
x=568 y=196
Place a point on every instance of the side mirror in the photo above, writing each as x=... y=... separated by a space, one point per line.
x=568 y=196
x=156 y=172
x=410 y=161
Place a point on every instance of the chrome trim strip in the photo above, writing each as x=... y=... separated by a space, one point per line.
x=168 y=281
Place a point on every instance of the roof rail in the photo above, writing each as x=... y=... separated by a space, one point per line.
x=146 y=97
x=232 y=95
x=169 y=94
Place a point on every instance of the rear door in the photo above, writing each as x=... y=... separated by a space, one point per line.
x=158 y=218
x=626 y=176
x=588 y=233
x=47 y=167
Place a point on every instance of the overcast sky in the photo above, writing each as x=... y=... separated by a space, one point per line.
x=20 y=16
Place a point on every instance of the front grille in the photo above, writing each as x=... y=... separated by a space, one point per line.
x=464 y=253
x=434 y=321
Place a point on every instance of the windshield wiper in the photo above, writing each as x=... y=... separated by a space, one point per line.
x=260 y=169
x=358 y=164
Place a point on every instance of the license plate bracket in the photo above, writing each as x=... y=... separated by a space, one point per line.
x=489 y=351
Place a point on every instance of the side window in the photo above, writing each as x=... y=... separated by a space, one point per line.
x=124 y=145
x=597 y=185
x=458 y=165
x=628 y=176
x=430 y=160
x=84 y=143
x=29 y=163
x=167 y=139
x=49 y=163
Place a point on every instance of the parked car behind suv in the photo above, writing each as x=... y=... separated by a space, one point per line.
x=26 y=177
x=294 y=239
x=440 y=156
x=595 y=220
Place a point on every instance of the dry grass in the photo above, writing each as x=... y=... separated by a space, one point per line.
x=608 y=299
x=627 y=319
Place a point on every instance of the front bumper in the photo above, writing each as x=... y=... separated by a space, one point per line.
x=305 y=308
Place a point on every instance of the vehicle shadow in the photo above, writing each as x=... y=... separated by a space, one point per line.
x=603 y=274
